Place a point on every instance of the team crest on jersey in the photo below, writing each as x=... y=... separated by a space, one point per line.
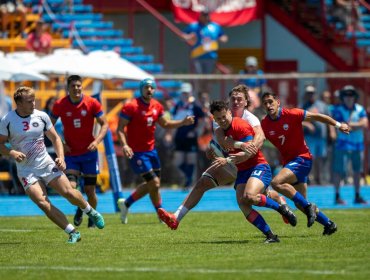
x=285 y=126
x=143 y=113
x=35 y=124
x=55 y=169
x=83 y=113
x=272 y=132
x=68 y=114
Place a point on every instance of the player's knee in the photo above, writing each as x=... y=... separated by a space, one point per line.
x=90 y=181
x=44 y=205
x=90 y=191
x=275 y=184
x=208 y=180
x=248 y=198
x=72 y=179
x=149 y=176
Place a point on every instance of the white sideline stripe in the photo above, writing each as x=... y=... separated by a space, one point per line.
x=15 y=230
x=176 y=270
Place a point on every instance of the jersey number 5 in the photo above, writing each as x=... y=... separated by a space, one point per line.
x=282 y=139
x=77 y=123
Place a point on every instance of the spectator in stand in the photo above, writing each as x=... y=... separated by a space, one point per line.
x=186 y=137
x=39 y=40
x=347 y=13
x=251 y=67
x=8 y=7
x=316 y=135
x=349 y=147
x=203 y=37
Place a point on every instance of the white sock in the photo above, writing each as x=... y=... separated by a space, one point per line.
x=181 y=212
x=69 y=228
x=87 y=209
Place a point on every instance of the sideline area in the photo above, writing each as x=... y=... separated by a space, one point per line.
x=220 y=199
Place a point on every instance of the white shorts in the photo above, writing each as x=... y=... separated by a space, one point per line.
x=29 y=176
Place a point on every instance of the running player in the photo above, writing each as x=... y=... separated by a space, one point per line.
x=139 y=117
x=283 y=128
x=254 y=174
x=216 y=176
x=78 y=113
x=24 y=128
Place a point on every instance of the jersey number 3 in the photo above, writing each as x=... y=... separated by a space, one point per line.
x=26 y=126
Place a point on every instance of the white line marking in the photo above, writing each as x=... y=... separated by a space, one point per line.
x=179 y=270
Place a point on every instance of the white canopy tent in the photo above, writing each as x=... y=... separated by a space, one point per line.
x=13 y=70
x=102 y=65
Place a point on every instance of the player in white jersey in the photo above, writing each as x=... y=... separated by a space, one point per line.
x=24 y=129
x=221 y=175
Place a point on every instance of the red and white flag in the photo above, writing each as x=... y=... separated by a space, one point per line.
x=223 y=12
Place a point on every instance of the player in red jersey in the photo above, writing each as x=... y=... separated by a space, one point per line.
x=283 y=128
x=253 y=176
x=140 y=117
x=212 y=177
x=78 y=113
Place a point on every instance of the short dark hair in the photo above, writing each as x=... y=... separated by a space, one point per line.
x=243 y=89
x=72 y=78
x=269 y=93
x=218 y=106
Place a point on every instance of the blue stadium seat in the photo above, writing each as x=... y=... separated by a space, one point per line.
x=95 y=33
x=83 y=24
x=152 y=68
x=65 y=9
x=121 y=42
x=72 y=17
x=141 y=58
x=170 y=84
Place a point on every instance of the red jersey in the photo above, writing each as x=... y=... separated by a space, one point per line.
x=241 y=130
x=286 y=134
x=142 y=119
x=40 y=44
x=78 y=122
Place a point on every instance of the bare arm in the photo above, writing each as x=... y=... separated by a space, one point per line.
x=103 y=131
x=58 y=146
x=18 y=156
x=251 y=148
x=122 y=137
x=362 y=123
x=328 y=120
x=168 y=124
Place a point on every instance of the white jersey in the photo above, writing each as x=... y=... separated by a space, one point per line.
x=26 y=135
x=248 y=116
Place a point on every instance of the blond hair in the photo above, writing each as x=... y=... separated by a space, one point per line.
x=22 y=92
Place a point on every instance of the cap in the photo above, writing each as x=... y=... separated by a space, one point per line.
x=205 y=11
x=186 y=87
x=310 y=88
x=147 y=82
x=251 y=61
x=349 y=88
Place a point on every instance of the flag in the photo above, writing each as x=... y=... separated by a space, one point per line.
x=223 y=12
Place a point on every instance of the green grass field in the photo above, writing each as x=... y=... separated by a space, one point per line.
x=205 y=246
